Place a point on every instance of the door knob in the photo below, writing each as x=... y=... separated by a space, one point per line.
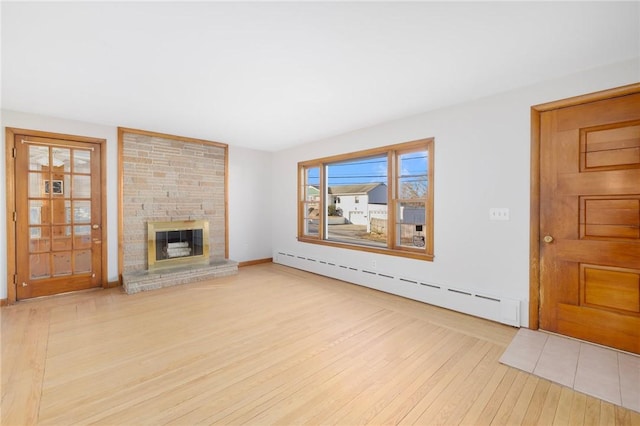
x=95 y=226
x=547 y=239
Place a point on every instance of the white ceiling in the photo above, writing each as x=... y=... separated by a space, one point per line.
x=269 y=75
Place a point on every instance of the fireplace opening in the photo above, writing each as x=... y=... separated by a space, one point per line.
x=178 y=243
x=174 y=244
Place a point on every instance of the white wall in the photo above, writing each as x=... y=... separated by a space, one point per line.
x=481 y=160
x=250 y=204
x=249 y=175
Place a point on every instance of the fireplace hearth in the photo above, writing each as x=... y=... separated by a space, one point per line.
x=178 y=254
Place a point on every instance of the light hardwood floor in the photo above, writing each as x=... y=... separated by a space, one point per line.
x=271 y=345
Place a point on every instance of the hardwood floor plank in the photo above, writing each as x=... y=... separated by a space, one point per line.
x=524 y=401
x=13 y=328
x=21 y=396
x=578 y=407
x=506 y=408
x=592 y=411
x=634 y=417
x=363 y=402
x=534 y=410
x=607 y=413
x=563 y=411
x=476 y=409
x=550 y=405
x=497 y=398
x=441 y=363
x=446 y=375
x=440 y=408
x=453 y=410
x=625 y=417
x=366 y=404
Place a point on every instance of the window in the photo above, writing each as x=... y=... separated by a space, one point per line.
x=385 y=198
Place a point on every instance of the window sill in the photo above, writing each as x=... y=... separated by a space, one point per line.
x=407 y=253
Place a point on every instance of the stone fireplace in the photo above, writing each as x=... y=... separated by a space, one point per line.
x=173 y=193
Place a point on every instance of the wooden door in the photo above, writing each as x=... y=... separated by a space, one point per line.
x=590 y=221
x=58 y=216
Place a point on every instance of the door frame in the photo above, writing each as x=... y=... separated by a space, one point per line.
x=534 y=230
x=10 y=133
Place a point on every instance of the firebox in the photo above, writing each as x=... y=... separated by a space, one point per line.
x=178 y=243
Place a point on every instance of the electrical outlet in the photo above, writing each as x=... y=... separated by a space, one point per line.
x=498 y=213
x=373 y=264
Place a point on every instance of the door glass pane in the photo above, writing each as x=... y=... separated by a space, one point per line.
x=38 y=212
x=39 y=240
x=61 y=238
x=82 y=211
x=61 y=212
x=61 y=159
x=36 y=185
x=81 y=161
x=39 y=265
x=38 y=158
x=82 y=262
x=34 y=234
x=66 y=190
x=82 y=237
x=61 y=263
x=81 y=186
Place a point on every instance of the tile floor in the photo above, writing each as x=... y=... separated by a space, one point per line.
x=605 y=373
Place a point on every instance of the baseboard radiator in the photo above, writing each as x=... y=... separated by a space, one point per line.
x=499 y=309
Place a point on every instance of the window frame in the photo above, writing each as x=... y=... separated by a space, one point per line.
x=393 y=153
